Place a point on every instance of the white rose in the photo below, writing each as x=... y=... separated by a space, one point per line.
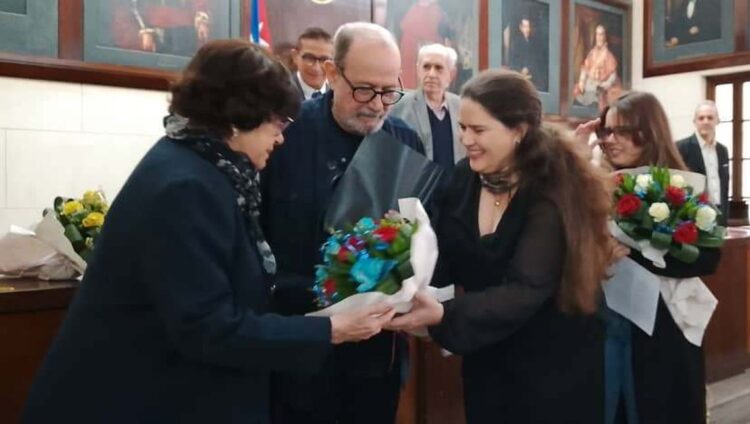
x=659 y=211
x=643 y=180
x=705 y=218
x=677 y=181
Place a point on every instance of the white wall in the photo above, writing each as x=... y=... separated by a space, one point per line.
x=63 y=139
x=678 y=93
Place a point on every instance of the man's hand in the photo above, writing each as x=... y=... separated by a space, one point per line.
x=360 y=324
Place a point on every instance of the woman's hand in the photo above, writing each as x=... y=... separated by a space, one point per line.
x=425 y=312
x=360 y=324
x=619 y=250
x=583 y=134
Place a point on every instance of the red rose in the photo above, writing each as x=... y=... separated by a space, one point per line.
x=387 y=234
x=628 y=205
x=703 y=198
x=686 y=232
x=329 y=287
x=675 y=196
x=343 y=255
x=356 y=243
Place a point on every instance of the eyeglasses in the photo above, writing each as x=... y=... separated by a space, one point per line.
x=310 y=59
x=619 y=131
x=363 y=94
x=282 y=123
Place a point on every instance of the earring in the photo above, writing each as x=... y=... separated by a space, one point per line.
x=518 y=141
x=235 y=132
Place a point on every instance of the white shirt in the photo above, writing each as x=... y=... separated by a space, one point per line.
x=711 y=160
x=439 y=111
x=691 y=9
x=307 y=90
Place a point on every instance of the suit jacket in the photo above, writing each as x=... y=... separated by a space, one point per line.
x=690 y=149
x=706 y=17
x=298 y=84
x=171 y=321
x=413 y=109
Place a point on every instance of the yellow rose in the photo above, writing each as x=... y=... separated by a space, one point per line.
x=71 y=207
x=91 y=198
x=94 y=219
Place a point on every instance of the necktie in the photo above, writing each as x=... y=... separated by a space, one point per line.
x=315 y=95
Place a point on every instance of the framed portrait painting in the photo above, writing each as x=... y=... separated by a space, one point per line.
x=287 y=19
x=599 y=56
x=29 y=27
x=524 y=36
x=419 y=22
x=161 y=34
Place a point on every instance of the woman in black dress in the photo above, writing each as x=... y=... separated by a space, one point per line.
x=522 y=229
x=668 y=372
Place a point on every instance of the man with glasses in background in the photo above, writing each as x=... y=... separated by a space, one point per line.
x=361 y=385
x=314 y=48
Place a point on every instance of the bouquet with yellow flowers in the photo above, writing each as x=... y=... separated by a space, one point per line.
x=82 y=220
x=58 y=247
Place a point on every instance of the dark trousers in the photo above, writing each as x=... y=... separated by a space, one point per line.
x=339 y=399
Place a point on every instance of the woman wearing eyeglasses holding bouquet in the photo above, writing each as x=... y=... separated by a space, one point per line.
x=657 y=378
x=172 y=322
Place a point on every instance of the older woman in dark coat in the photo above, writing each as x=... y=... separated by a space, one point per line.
x=173 y=320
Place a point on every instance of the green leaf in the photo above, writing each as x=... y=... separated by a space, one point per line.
x=72 y=233
x=628 y=182
x=686 y=253
x=389 y=285
x=661 y=240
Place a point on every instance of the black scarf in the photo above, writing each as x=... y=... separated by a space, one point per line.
x=236 y=167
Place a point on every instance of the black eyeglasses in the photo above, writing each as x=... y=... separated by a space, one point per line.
x=619 y=131
x=363 y=94
x=310 y=59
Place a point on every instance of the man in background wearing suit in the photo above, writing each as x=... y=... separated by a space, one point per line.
x=691 y=21
x=431 y=110
x=314 y=47
x=703 y=154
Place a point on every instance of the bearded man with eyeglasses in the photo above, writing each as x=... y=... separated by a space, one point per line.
x=361 y=383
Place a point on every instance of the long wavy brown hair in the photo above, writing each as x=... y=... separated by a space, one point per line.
x=643 y=112
x=549 y=158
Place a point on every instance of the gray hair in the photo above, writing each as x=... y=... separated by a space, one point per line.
x=709 y=103
x=447 y=52
x=347 y=33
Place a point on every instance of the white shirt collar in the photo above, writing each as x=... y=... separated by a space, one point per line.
x=703 y=143
x=307 y=90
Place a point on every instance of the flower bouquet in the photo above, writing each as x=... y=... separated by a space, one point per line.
x=661 y=209
x=664 y=213
x=57 y=247
x=384 y=260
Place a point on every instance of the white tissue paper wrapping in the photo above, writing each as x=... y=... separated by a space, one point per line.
x=43 y=252
x=633 y=292
x=424 y=254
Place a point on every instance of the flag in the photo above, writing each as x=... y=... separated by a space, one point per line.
x=259 y=31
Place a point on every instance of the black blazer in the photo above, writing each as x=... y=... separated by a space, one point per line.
x=171 y=322
x=523 y=360
x=690 y=149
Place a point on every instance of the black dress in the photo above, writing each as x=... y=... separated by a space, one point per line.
x=524 y=361
x=668 y=370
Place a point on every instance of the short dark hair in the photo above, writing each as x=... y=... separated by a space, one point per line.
x=233 y=83
x=314 y=33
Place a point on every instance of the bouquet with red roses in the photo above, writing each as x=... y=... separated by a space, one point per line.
x=662 y=210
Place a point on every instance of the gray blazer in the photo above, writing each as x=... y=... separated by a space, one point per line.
x=413 y=109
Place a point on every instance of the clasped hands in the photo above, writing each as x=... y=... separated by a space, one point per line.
x=369 y=321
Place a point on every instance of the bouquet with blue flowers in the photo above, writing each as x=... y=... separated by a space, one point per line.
x=371 y=256
x=385 y=260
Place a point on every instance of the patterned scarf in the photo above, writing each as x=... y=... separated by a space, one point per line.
x=236 y=167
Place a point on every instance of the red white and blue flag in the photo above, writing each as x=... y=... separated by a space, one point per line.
x=259 y=31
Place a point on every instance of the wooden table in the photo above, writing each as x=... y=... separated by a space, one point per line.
x=30 y=314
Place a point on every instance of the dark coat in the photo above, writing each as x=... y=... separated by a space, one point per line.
x=297 y=187
x=170 y=323
x=690 y=149
x=523 y=360
x=706 y=18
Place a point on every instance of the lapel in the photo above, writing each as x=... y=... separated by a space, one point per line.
x=419 y=106
x=697 y=155
x=454 y=102
x=322 y=173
